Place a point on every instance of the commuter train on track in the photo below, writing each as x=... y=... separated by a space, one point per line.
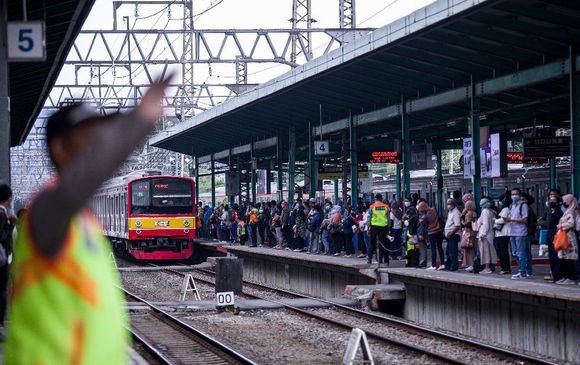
x=148 y=216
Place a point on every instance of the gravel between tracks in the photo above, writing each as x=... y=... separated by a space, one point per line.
x=450 y=348
x=281 y=337
x=159 y=286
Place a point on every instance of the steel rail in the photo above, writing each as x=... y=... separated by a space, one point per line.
x=203 y=337
x=404 y=324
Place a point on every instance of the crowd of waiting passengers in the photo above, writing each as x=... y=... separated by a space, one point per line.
x=481 y=237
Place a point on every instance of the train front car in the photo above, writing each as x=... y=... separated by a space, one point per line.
x=161 y=219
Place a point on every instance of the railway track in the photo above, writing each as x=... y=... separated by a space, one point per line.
x=169 y=340
x=396 y=332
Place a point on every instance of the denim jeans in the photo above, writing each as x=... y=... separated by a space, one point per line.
x=452 y=262
x=529 y=255
x=519 y=250
x=325 y=241
x=314 y=242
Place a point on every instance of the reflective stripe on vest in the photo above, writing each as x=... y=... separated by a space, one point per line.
x=67 y=309
x=379 y=214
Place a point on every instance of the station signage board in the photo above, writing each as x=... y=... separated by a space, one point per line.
x=383 y=157
x=546 y=147
x=335 y=172
x=518 y=158
x=321 y=148
x=421 y=156
x=26 y=41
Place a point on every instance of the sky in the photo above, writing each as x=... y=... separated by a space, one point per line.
x=242 y=14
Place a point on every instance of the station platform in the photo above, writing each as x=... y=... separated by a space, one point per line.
x=528 y=315
x=317 y=275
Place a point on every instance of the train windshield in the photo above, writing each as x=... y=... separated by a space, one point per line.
x=161 y=196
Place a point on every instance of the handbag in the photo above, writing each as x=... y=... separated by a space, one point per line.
x=561 y=242
x=466 y=240
x=475 y=226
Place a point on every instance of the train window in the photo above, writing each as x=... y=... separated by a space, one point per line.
x=140 y=196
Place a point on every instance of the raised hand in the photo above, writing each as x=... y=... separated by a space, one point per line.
x=150 y=108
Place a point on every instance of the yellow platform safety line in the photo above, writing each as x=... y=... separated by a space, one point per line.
x=187 y=222
x=189 y=286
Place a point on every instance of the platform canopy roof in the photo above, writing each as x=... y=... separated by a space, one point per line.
x=512 y=55
x=31 y=82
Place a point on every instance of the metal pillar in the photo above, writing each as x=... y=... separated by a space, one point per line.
x=439 y=182
x=291 y=164
x=353 y=162
x=268 y=181
x=474 y=123
x=489 y=185
x=344 y=163
x=575 y=123
x=311 y=164
x=212 y=168
x=196 y=164
x=253 y=176
x=335 y=191
x=398 y=182
x=406 y=142
x=279 y=177
x=347 y=13
x=4 y=101
x=301 y=42
x=552 y=173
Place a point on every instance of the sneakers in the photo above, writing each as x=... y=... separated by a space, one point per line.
x=431 y=268
x=518 y=276
x=362 y=256
x=503 y=272
x=296 y=250
x=486 y=271
x=337 y=254
x=565 y=282
x=348 y=256
x=442 y=267
x=469 y=269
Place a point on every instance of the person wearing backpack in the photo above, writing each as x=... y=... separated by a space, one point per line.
x=531 y=226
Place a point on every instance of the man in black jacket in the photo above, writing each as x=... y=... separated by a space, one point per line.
x=7 y=222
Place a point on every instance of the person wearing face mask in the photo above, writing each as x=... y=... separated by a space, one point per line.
x=486 y=235
x=452 y=235
x=552 y=217
x=569 y=256
x=518 y=232
x=502 y=234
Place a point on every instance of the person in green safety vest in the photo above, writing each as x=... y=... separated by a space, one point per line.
x=66 y=307
x=379 y=226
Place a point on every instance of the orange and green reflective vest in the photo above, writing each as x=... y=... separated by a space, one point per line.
x=67 y=309
x=379 y=214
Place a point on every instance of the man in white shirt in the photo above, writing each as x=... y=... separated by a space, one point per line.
x=452 y=234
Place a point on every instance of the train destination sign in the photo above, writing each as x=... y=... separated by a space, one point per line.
x=333 y=173
x=546 y=147
x=384 y=157
x=518 y=158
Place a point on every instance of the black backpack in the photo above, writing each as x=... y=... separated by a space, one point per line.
x=532 y=222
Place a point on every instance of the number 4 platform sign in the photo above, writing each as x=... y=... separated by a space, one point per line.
x=26 y=41
x=321 y=148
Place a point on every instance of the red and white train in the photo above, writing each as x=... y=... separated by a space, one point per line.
x=148 y=216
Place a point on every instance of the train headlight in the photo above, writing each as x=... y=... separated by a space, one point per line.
x=138 y=224
x=186 y=223
x=186 y=231
x=138 y=231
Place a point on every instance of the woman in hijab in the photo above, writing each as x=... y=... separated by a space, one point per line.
x=568 y=257
x=396 y=222
x=486 y=235
x=468 y=241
